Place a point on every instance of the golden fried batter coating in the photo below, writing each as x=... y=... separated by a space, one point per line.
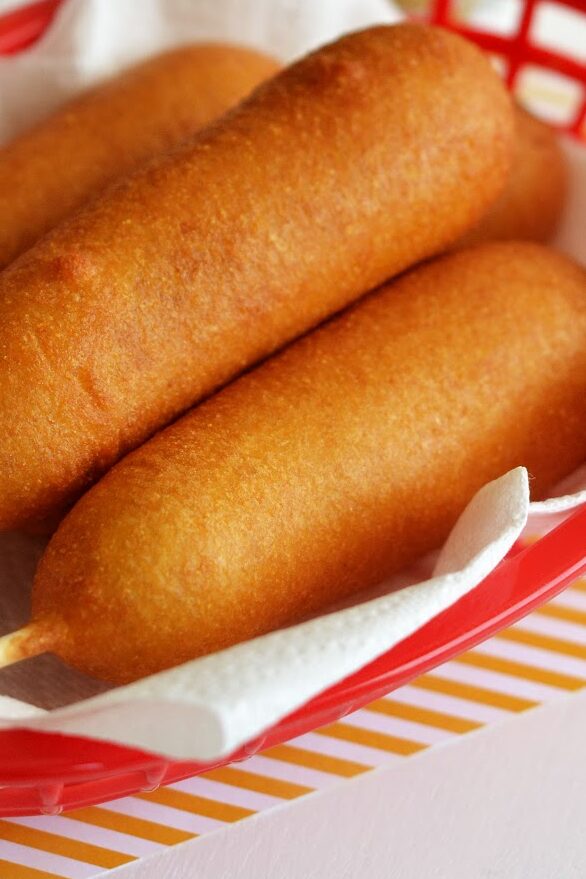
x=51 y=170
x=363 y=158
x=324 y=470
x=530 y=207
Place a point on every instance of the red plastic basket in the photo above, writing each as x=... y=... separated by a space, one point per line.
x=43 y=773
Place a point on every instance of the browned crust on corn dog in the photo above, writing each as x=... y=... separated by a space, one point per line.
x=52 y=169
x=531 y=205
x=328 y=467
x=365 y=157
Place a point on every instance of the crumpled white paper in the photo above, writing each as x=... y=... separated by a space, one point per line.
x=210 y=706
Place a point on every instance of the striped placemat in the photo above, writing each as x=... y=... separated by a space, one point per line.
x=538 y=660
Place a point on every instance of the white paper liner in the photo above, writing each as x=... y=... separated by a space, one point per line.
x=210 y=706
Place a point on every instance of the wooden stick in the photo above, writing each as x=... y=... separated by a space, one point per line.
x=22 y=644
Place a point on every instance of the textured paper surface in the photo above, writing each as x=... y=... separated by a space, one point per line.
x=210 y=706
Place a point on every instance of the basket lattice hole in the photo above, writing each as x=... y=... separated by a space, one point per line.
x=502 y=17
x=550 y=95
x=500 y=64
x=555 y=26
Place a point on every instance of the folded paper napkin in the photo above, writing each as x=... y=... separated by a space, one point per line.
x=212 y=705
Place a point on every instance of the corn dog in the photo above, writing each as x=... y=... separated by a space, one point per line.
x=365 y=157
x=324 y=470
x=531 y=204
x=51 y=170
